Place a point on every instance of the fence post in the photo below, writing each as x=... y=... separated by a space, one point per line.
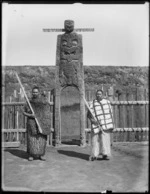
x=17 y=116
x=147 y=108
x=110 y=94
x=3 y=112
x=49 y=136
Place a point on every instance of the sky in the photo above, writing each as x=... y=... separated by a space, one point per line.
x=120 y=37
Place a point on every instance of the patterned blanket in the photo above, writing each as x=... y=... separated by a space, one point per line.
x=103 y=112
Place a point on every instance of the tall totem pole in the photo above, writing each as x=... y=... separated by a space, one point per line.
x=69 y=72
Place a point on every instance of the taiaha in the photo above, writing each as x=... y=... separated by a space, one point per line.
x=26 y=97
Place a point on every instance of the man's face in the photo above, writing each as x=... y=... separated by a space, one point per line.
x=35 y=93
x=99 y=95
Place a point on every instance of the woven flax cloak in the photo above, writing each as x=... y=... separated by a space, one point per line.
x=42 y=112
x=103 y=112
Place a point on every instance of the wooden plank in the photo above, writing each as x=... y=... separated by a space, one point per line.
x=137 y=110
x=141 y=108
x=8 y=117
x=17 y=124
x=24 y=121
x=144 y=136
x=20 y=118
x=21 y=103
x=130 y=102
x=128 y=136
x=134 y=121
x=11 y=144
x=9 y=136
x=128 y=117
x=116 y=113
x=5 y=118
x=129 y=111
x=120 y=112
x=124 y=108
x=13 y=130
x=3 y=109
x=11 y=119
x=125 y=115
x=131 y=117
x=13 y=116
x=116 y=117
x=110 y=93
x=138 y=115
x=137 y=135
x=115 y=102
x=133 y=136
x=147 y=108
x=121 y=136
x=121 y=117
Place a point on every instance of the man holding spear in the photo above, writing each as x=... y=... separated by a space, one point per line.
x=102 y=124
x=37 y=111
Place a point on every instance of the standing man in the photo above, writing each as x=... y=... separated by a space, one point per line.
x=36 y=141
x=101 y=127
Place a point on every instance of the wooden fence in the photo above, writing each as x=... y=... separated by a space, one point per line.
x=130 y=115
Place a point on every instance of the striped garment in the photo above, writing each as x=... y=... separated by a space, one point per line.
x=103 y=112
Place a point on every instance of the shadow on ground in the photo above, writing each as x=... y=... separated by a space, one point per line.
x=19 y=153
x=74 y=154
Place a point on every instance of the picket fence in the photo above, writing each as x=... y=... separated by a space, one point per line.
x=130 y=116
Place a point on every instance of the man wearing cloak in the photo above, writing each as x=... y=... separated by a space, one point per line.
x=101 y=127
x=36 y=140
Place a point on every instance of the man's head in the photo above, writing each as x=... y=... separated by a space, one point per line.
x=69 y=25
x=35 y=91
x=99 y=94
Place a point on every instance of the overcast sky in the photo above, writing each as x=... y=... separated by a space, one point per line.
x=120 y=36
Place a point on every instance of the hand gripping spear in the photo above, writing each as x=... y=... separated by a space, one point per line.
x=86 y=103
x=26 y=97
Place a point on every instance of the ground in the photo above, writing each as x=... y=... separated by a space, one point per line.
x=67 y=169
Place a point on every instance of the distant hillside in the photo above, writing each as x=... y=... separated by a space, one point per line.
x=94 y=76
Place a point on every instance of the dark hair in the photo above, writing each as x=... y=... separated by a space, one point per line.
x=35 y=87
x=99 y=90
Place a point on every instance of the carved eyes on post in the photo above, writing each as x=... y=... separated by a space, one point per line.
x=69 y=53
x=64 y=43
x=66 y=53
x=74 y=43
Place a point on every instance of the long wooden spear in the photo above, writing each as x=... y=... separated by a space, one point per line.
x=86 y=103
x=26 y=97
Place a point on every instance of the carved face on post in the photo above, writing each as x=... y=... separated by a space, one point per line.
x=69 y=26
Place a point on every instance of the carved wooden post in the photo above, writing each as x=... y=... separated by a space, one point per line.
x=69 y=72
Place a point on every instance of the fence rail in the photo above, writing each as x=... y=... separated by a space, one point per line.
x=130 y=110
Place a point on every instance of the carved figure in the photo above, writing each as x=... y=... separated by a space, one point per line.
x=70 y=51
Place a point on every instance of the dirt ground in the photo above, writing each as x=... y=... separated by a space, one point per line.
x=67 y=169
